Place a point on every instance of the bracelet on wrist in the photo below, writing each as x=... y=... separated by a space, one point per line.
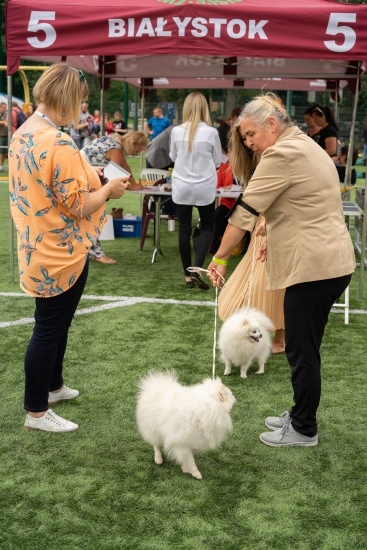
x=219 y=261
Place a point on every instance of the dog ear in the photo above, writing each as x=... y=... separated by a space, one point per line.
x=245 y=322
x=226 y=398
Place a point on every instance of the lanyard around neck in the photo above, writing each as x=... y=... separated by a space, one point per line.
x=46 y=118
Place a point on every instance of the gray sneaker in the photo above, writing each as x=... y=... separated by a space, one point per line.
x=65 y=394
x=277 y=422
x=49 y=422
x=288 y=437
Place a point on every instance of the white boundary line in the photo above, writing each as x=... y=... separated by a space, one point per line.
x=115 y=302
x=124 y=301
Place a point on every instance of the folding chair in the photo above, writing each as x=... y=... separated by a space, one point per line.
x=153 y=175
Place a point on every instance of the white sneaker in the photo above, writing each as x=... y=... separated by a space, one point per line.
x=49 y=422
x=277 y=422
x=288 y=437
x=63 y=395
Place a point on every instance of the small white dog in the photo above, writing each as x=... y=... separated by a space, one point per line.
x=183 y=420
x=244 y=336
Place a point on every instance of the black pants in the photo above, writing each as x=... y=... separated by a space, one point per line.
x=184 y=213
x=44 y=357
x=306 y=311
x=221 y=223
x=170 y=165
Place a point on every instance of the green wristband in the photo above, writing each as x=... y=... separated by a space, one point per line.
x=220 y=262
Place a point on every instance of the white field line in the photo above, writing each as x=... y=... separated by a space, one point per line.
x=123 y=301
x=115 y=302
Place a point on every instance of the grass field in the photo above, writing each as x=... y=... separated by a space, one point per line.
x=99 y=488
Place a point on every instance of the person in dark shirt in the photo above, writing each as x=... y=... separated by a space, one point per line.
x=327 y=137
x=225 y=127
x=119 y=125
x=312 y=127
x=341 y=167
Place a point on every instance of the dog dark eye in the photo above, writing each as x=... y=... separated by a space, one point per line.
x=254 y=332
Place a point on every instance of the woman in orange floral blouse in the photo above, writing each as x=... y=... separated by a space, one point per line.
x=58 y=206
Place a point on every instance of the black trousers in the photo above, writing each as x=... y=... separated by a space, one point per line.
x=170 y=165
x=184 y=214
x=221 y=223
x=306 y=311
x=44 y=357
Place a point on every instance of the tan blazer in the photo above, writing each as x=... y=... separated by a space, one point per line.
x=296 y=187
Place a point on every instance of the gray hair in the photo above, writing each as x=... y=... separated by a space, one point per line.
x=264 y=106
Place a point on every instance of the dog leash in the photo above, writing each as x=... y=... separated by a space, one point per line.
x=251 y=275
x=197 y=270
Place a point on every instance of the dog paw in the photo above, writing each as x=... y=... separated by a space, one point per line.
x=226 y=373
x=158 y=457
x=243 y=375
x=195 y=473
x=259 y=372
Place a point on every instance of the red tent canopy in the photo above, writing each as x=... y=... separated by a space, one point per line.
x=232 y=39
x=266 y=84
x=227 y=34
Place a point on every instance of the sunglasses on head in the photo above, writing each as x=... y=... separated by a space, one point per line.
x=82 y=76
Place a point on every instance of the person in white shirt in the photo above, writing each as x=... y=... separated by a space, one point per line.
x=196 y=151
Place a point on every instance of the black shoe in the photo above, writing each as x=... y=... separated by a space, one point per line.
x=190 y=284
x=196 y=279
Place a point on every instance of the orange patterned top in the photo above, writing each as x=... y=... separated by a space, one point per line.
x=46 y=175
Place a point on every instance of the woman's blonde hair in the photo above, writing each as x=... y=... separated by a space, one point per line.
x=132 y=141
x=264 y=106
x=260 y=109
x=62 y=88
x=243 y=160
x=195 y=110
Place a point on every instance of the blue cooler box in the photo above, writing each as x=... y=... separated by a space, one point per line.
x=127 y=227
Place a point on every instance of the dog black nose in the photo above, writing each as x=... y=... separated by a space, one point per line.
x=260 y=335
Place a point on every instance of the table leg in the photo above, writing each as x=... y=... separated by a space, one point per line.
x=157 y=229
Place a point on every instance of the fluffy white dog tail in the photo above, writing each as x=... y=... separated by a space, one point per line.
x=157 y=381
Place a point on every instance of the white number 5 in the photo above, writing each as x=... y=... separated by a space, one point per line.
x=35 y=25
x=334 y=28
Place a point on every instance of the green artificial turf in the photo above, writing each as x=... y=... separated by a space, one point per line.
x=99 y=488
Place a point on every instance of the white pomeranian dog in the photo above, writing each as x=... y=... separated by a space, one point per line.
x=183 y=420
x=243 y=337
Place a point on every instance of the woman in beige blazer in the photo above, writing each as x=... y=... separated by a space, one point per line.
x=308 y=251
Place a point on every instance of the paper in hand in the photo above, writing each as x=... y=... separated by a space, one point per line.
x=113 y=170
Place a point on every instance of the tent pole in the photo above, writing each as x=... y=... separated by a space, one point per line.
x=136 y=113
x=142 y=115
x=363 y=244
x=348 y=174
x=126 y=102
x=11 y=225
x=348 y=170
x=142 y=103
x=336 y=109
x=102 y=100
